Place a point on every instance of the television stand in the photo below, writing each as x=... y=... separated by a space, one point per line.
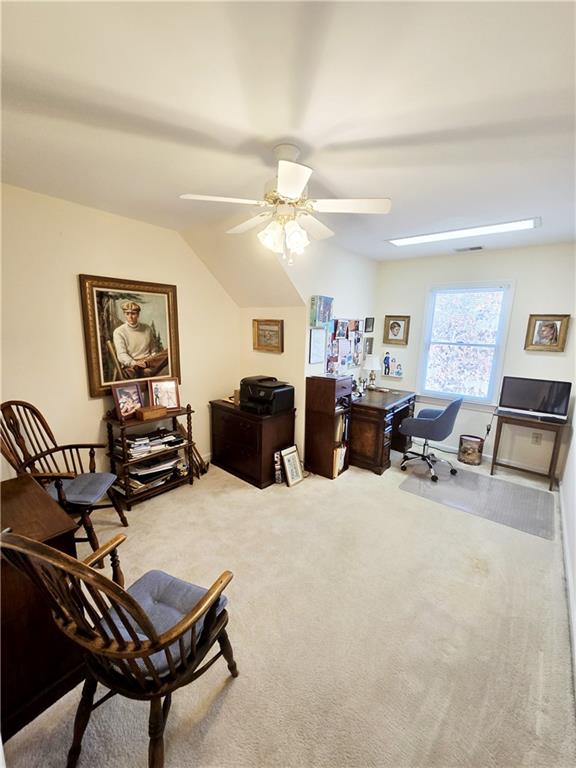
x=532 y=423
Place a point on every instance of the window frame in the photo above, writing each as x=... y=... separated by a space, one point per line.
x=507 y=286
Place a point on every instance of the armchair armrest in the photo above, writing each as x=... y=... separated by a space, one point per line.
x=109 y=549
x=193 y=616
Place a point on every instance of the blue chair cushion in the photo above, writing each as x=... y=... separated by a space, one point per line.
x=166 y=600
x=84 y=490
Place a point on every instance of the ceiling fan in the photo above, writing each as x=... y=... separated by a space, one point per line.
x=288 y=209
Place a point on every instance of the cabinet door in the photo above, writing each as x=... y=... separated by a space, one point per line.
x=369 y=436
x=235 y=443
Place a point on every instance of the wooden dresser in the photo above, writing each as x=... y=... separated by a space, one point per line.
x=39 y=664
x=244 y=443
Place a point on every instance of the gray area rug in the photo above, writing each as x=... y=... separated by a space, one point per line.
x=527 y=509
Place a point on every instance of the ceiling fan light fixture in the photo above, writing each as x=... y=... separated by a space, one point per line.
x=296 y=237
x=272 y=237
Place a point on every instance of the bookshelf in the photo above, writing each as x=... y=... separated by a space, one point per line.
x=150 y=457
x=327 y=430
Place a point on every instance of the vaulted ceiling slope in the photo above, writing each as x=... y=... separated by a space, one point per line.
x=461 y=113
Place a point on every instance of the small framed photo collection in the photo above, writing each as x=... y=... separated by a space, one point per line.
x=131 y=396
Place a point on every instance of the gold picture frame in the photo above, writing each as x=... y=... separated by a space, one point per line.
x=396 y=329
x=268 y=335
x=102 y=302
x=546 y=333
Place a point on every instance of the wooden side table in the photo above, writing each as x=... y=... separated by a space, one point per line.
x=39 y=663
x=531 y=423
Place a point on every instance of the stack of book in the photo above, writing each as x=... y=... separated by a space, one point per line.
x=146 y=476
x=145 y=445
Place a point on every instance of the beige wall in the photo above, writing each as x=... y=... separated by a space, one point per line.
x=288 y=366
x=543 y=279
x=47 y=243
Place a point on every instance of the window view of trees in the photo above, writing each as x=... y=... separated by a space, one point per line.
x=463 y=339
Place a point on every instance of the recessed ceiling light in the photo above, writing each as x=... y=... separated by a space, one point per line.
x=490 y=229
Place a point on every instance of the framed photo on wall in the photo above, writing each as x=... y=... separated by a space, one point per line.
x=268 y=335
x=396 y=329
x=317 y=345
x=546 y=333
x=130 y=331
x=369 y=325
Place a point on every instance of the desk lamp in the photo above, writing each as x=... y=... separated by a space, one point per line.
x=372 y=364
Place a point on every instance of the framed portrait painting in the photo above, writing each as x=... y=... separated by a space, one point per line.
x=130 y=331
x=396 y=329
x=268 y=335
x=546 y=333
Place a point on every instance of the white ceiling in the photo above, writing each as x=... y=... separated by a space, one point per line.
x=462 y=113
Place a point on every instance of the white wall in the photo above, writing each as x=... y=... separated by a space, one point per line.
x=568 y=511
x=47 y=243
x=543 y=280
x=326 y=270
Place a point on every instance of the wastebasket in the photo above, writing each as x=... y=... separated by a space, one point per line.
x=470 y=450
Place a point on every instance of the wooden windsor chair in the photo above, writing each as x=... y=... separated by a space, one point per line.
x=29 y=446
x=143 y=642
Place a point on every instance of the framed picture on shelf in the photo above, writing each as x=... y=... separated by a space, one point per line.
x=164 y=392
x=317 y=345
x=129 y=397
x=292 y=466
x=546 y=333
x=268 y=335
x=396 y=329
x=130 y=331
x=369 y=325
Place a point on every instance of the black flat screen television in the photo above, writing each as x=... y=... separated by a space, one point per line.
x=537 y=397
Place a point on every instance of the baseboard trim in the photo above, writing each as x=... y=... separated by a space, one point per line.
x=570 y=586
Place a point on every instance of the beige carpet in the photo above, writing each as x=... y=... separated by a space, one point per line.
x=371 y=628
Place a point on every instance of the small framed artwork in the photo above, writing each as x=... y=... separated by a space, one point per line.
x=320 y=309
x=292 y=466
x=396 y=329
x=164 y=392
x=129 y=397
x=368 y=346
x=268 y=335
x=546 y=333
x=317 y=345
x=369 y=325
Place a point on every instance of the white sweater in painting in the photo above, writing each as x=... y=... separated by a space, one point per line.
x=133 y=343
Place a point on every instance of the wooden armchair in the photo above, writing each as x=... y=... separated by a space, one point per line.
x=143 y=642
x=29 y=445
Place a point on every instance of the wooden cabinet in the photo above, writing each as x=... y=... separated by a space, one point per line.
x=374 y=428
x=327 y=424
x=140 y=475
x=39 y=664
x=244 y=443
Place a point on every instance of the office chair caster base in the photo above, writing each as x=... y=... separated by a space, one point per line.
x=434 y=478
x=453 y=471
x=403 y=467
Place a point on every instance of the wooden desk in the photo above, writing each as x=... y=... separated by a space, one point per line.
x=244 y=443
x=374 y=424
x=532 y=423
x=39 y=664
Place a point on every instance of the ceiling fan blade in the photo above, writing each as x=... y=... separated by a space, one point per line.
x=314 y=227
x=358 y=205
x=215 y=199
x=249 y=224
x=292 y=179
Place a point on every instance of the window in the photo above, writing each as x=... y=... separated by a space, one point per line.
x=464 y=340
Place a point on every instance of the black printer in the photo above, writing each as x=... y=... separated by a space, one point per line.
x=265 y=395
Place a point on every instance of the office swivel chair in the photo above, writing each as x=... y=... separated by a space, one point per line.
x=430 y=424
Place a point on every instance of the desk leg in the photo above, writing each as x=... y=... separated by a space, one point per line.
x=496 y=445
x=554 y=459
